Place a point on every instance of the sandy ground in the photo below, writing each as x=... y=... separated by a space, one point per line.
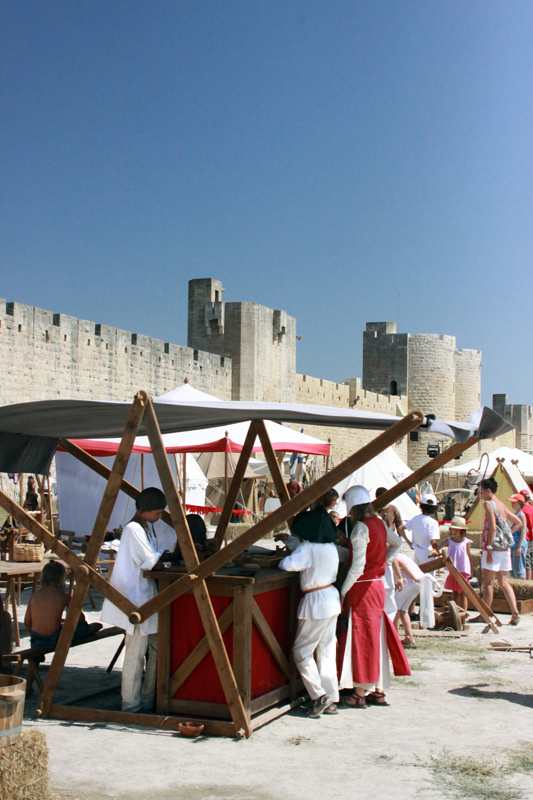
x=460 y=696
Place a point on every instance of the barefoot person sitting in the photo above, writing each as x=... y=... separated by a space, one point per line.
x=44 y=614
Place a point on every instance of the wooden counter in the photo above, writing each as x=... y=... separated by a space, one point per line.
x=257 y=617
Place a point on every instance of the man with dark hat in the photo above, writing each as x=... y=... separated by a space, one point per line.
x=316 y=558
x=138 y=552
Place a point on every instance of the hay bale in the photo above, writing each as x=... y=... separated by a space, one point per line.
x=235 y=529
x=523 y=589
x=24 y=771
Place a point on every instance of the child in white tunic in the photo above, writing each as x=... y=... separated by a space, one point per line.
x=138 y=552
x=317 y=559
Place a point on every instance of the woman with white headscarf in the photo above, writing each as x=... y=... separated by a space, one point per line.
x=369 y=634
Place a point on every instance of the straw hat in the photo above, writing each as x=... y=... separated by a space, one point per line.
x=458 y=522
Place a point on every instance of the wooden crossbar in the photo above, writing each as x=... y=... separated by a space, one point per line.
x=65 y=554
x=426 y=469
x=272 y=643
x=197 y=655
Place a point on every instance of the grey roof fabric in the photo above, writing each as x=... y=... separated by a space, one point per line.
x=93 y=419
x=22 y=453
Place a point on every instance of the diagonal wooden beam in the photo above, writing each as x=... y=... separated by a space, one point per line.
x=481 y=606
x=235 y=485
x=272 y=643
x=190 y=556
x=270 y=455
x=65 y=553
x=280 y=515
x=427 y=469
x=93 y=550
x=197 y=655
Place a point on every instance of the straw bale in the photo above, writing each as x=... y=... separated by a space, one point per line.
x=24 y=771
x=523 y=589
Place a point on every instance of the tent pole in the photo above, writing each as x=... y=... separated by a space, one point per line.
x=142 y=471
x=233 y=491
x=178 y=476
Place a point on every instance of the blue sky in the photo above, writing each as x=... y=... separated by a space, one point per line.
x=320 y=157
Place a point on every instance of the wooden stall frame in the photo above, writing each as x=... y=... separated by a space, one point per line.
x=235 y=687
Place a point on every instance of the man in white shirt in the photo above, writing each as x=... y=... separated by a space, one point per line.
x=424 y=529
x=138 y=552
x=316 y=558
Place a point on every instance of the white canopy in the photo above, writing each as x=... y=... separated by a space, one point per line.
x=227 y=438
x=510 y=454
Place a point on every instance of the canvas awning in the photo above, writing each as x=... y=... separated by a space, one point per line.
x=92 y=419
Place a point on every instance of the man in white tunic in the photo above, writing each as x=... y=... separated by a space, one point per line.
x=138 y=552
x=317 y=560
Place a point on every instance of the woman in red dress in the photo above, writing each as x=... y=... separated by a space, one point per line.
x=370 y=635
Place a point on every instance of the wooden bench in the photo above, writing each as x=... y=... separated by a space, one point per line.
x=31 y=654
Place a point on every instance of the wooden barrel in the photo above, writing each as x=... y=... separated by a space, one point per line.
x=12 y=695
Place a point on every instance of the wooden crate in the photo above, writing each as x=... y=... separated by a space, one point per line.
x=257 y=617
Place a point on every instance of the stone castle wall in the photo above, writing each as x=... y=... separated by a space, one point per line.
x=47 y=356
x=348 y=394
x=260 y=341
x=467 y=383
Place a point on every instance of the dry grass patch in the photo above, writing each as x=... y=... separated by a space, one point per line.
x=467 y=778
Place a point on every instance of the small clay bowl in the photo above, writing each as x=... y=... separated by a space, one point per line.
x=191 y=729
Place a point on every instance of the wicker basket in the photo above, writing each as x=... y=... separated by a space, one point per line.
x=28 y=552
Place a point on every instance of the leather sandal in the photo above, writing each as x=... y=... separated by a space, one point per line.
x=377 y=699
x=515 y=619
x=355 y=701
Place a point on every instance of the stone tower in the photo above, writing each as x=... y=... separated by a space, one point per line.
x=260 y=341
x=436 y=377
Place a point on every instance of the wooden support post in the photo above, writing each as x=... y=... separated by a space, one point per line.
x=190 y=556
x=273 y=465
x=163 y=655
x=184 y=479
x=178 y=476
x=242 y=644
x=231 y=496
x=293 y=610
x=91 y=556
x=427 y=469
x=281 y=514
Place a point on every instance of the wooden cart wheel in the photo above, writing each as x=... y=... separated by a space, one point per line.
x=456 y=622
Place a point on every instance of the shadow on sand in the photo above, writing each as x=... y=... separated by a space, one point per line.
x=478 y=690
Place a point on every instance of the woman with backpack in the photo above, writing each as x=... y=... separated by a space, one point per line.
x=496 y=557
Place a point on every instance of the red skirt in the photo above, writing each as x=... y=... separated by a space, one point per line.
x=452 y=584
x=365 y=602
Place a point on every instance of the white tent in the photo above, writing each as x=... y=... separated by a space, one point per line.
x=80 y=492
x=375 y=474
x=510 y=454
